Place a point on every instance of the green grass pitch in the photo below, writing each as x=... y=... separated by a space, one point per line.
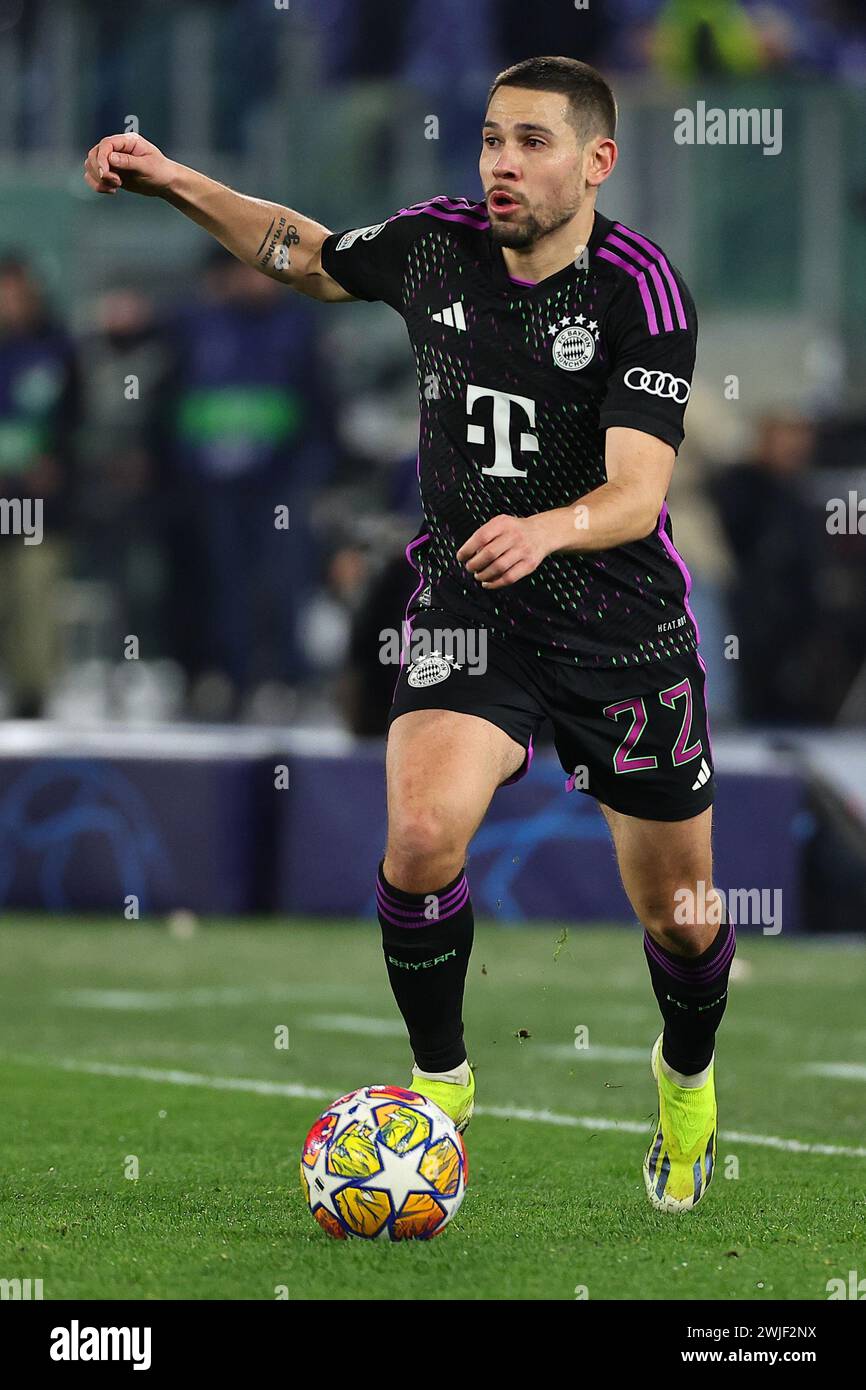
x=121 y=1042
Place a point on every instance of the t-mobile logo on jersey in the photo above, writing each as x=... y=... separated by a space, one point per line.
x=503 y=463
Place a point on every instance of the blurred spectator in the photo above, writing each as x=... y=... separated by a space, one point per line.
x=699 y=536
x=367 y=683
x=122 y=502
x=38 y=407
x=777 y=539
x=252 y=444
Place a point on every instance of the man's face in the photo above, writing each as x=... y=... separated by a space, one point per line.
x=531 y=166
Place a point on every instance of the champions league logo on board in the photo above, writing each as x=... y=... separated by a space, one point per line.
x=573 y=345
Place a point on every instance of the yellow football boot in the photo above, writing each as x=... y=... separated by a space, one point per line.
x=457 y=1101
x=679 y=1163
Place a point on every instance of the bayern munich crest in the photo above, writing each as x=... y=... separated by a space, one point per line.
x=574 y=344
x=430 y=670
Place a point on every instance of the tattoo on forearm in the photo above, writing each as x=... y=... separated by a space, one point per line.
x=282 y=261
x=272 y=244
x=266 y=235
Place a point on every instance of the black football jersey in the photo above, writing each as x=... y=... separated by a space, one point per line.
x=517 y=384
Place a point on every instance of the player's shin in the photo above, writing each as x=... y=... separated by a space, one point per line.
x=692 y=992
x=427 y=941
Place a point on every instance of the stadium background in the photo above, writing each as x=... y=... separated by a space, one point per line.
x=191 y=759
x=167 y=647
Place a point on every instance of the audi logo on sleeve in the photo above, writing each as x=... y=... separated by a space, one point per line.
x=671 y=388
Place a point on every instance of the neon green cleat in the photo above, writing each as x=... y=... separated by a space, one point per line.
x=679 y=1163
x=458 y=1102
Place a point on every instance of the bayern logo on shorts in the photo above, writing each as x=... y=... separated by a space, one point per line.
x=573 y=348
x=430 y=670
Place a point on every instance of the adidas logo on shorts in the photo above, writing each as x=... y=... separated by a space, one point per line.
x=703 y=776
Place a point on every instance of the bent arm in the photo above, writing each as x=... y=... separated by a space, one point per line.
x=625 y=508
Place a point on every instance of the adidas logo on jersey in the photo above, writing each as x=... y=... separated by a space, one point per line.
x=452 y=316
x=703 y=776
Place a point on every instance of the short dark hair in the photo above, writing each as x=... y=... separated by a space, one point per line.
x=592 y=103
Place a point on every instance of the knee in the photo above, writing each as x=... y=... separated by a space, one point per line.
x=424 y=836
x=682 y=920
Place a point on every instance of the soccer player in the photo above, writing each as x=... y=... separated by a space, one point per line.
x=554 y=350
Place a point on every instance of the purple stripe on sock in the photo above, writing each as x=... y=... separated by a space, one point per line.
x=722 y=961
x=701 y=975
x=666 y=270
x=638 y=275
x=664 y=299
x=445 y=899
x=417 y=914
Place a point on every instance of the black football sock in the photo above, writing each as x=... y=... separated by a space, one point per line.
x=427 y=940
x=692 y=992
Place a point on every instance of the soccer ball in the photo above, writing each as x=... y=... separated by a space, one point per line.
x=383 y=1164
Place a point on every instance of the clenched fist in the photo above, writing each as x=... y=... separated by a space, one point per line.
x=508 y=548
x=129 y=162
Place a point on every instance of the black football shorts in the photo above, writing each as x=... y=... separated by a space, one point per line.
x=637 y=739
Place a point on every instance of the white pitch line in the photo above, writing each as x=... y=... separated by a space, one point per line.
x=155 y=1000
x=844 y=1071
x=354 y=1023
x=295 y=1091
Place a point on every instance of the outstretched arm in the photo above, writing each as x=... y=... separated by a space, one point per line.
x=276 y=240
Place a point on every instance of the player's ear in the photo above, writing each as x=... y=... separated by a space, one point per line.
x=601 y=157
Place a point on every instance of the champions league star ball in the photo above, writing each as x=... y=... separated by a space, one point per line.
x=383 y=1164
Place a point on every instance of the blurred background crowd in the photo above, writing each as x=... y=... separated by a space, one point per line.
x=228 y=470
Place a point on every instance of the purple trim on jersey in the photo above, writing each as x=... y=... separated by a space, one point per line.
x=664 y=301
x=524 y=766
x=479 y=223
x=706 y=706
x=680 y=564
x=522 y=282
x=658 y=256
x=445 y=198
x=652 y=321
x=407 y=621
